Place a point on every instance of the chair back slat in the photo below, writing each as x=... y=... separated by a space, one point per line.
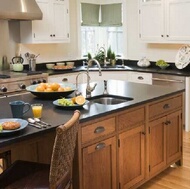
x=63 y=151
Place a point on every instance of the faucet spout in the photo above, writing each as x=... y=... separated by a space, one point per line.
x=98 y=64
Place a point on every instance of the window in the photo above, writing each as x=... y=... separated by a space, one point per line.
x=104 y=29
x=92 y=38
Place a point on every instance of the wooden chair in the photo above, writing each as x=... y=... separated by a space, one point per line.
x=24 y=174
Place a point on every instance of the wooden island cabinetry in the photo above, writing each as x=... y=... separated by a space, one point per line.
x=120 y=149
x=165 y=134
x=127 y=148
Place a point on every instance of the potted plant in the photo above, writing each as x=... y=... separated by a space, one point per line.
x=112 y=59
x=109 y=52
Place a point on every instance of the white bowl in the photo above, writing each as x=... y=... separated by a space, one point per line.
x=50 y=66
x=60 y=63
x=70 y=63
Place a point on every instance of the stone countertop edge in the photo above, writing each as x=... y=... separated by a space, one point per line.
x=141 y=93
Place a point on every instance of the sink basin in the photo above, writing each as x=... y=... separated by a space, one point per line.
x=109 y=99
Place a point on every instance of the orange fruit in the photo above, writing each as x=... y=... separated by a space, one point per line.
x=48 y=89
x=67 y=88
x=40 y=88
x=54 y=86
x=80 y=100
x=61 y=89
x=43 y=85
x=73 y=100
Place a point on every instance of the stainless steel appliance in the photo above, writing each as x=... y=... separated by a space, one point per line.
x=17 y=83
x=20 y=10
x=168 y=80
x=174 y=81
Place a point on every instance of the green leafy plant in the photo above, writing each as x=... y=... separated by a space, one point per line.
x=89 y=56
x=100 y=56
x=109 y=52
x=112 y=56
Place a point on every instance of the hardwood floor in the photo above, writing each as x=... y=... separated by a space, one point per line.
x=174 y=178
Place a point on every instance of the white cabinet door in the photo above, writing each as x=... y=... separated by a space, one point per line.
x=54 y=26
x=61 y=21
x=164 y=21
x=177 y=19
x=151 y=20
x=41 y=28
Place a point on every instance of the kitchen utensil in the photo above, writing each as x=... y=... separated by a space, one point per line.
x=18 y=67
x=5 y=65
x=19 y=108
x=17 y=60
x=34 y=125
x=42 y=122
x=32 y=64
x=32 y=121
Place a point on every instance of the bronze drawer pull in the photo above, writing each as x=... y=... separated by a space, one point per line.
x=167 y=122
x=166 y=106
x=99 y=129
x=65 y=79
x=100 y=146
x=140 y=78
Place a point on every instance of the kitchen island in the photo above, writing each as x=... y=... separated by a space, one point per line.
x=121 y=145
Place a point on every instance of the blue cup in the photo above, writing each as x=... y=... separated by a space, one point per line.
x=19 y=108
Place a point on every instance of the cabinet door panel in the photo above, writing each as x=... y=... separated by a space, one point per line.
x=40 y=28
x=99 y=165
x=60 y=21
x=157 y=145
x=174 y=140
x=177 y=18
x=131 y=157
x=151 y=21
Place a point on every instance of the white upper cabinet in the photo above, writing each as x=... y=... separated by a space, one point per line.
x=164 y=21
x=53 y=28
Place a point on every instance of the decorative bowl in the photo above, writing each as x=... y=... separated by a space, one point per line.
x=54 y=94
x=163 y=67
x=50 y=66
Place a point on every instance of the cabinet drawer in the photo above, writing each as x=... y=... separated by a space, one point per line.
x=130 y=119
x=141 y=77
x=99 y=129
x=165 y=106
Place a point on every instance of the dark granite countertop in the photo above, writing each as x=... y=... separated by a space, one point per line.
x=141 y=93
x=130 y=65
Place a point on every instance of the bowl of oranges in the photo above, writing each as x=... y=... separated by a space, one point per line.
x=51 y=90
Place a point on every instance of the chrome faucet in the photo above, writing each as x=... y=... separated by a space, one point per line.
x=89 y=89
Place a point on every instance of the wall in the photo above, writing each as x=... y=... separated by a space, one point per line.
x=134 y=49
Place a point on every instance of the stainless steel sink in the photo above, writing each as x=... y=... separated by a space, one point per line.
x=109 y=99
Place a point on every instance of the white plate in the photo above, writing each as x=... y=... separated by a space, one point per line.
x=183 y=57
x=75 y=106
x=23 y=124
